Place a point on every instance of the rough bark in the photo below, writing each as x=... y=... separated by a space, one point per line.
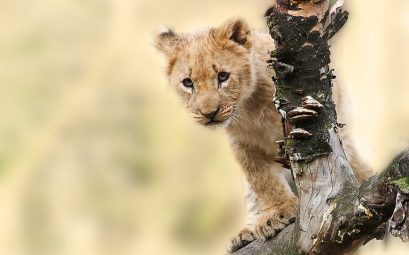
x=354 y=217
x=337 y=214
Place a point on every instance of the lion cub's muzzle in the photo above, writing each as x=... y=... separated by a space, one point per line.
x=211 y=117
x=214 y=117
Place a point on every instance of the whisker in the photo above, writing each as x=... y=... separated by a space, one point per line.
x=234 y=119
x=243 y=110
x=238 y=116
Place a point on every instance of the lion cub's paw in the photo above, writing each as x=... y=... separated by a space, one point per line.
x=271 y=223
x=268 y=227
x=241 y=240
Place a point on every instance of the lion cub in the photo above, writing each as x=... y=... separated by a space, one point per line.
x=221 y=76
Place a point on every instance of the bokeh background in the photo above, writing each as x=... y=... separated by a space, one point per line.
x=97 y=156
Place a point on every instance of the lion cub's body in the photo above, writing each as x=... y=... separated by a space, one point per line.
x=243 y=105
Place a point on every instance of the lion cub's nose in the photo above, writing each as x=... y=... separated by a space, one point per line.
x=211 y=115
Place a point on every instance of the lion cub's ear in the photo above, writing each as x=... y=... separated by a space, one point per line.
x=236 y=30
x=166 y=41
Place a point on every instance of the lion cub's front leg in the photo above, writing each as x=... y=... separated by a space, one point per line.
x=271 y=204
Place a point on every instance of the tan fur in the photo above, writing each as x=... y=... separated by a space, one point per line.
x=244 y=107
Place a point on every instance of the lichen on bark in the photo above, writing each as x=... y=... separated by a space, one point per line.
x=301 y=61
x=403 y=184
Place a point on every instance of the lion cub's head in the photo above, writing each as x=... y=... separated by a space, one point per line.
x=210 y=69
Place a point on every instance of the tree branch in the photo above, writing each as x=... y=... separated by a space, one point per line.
x=353 y=218
x=336 y=214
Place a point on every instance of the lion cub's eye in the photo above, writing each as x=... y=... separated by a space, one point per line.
x=223 y=76
x=188 y=83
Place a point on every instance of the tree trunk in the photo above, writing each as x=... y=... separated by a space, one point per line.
x=336 y=215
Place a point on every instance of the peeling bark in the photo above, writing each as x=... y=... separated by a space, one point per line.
x=399 y=223
x=351 y=218
x=336 y=215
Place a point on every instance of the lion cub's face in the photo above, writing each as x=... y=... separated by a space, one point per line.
x=211 y=70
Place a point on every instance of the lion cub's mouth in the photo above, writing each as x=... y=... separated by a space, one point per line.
x=223 y=119
x=218 y=123
x=213 y=123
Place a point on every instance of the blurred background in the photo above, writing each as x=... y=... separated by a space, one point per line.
x=97 y=156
